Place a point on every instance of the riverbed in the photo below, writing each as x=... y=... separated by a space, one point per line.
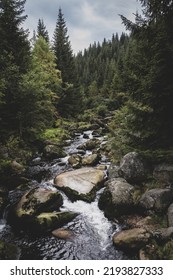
x=92 y=231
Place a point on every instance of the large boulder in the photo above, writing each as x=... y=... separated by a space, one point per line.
x=36 y=201
x=117 y=198
x=134 y=238
x=170 y=215
x=164 y=173
x=157 y=200
x=81 y=183
x=132 y=168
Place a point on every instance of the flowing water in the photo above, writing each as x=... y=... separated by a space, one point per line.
x=92 y=231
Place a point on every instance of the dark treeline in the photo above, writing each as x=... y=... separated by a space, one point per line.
x=129 y=74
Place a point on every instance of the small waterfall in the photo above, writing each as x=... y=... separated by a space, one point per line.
x=93 y=217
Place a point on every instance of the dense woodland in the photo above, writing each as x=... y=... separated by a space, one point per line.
x=43 y=84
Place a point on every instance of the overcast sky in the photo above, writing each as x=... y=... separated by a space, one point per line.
x=87 y=20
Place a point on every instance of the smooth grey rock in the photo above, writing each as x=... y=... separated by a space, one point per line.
x=132 y=168
x=117 y=198
x=81 y=180
x=157 y=200
x=134 y=238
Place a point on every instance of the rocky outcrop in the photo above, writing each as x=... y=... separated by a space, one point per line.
x=131 y=239
x=81 y=183
x=157 y=200
x=117 y=198
x=132 y=168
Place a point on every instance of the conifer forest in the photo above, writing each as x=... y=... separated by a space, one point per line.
x=86 y=136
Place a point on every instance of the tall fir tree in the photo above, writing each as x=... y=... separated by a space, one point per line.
x=70 y=102
x=148 y=122
x=14 y=59
x=63 y=50
x=42 y=31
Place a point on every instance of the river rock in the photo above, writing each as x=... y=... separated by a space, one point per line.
x=49 y=221
x=170 y=215
x=134 y=238
x=117 y=198
x=132 y=168
x=90 y=144
x=53 y=152
x=75 y=161
x=164 y=173
x=81 y=183
x=91 y=159
x=38 y=172
x=157 y=200
x=63 y=233
x=38 y=200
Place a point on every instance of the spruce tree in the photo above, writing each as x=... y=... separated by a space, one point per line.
x=14 y=59
x=41 y=30
x=70 y=102
x=14 y=41
x=63 y=51
x=148 y=123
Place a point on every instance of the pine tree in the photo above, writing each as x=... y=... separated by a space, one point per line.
x=70 y=102
x=14 y=59
x=41 y=30
x=149 y=113
x=14 y=39
x=63 y=51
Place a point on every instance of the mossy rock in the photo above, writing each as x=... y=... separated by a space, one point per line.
x=38 y=200
x=49 y=221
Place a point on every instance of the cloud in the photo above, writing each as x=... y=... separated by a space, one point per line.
x=87 y=20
